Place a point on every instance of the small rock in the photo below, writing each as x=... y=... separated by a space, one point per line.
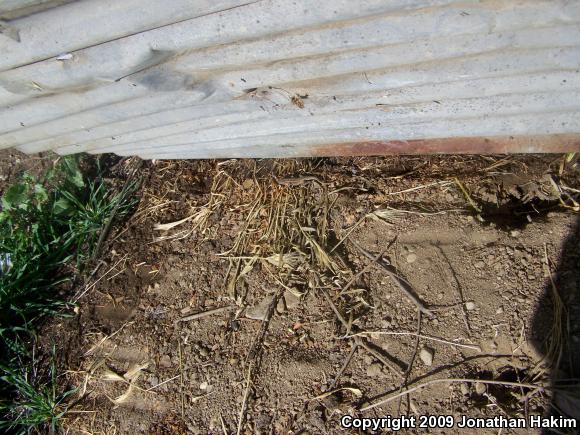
x=203 y=386
x=165 y=361
x=464 y=389
x=426 y=355
x=514 y=233
x=411 y=258
x=374 y=370
x=235 y=325
x=480 y=388
x=387 y=322
x=499 y=310
x=281 y=306
x=288 y=301
x=260 y=311
x=470 y=306
x=292 y=301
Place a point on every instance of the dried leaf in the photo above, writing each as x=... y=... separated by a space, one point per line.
x=291 y=259
x=357 y=393
x=110 y=375
x=135 y=370
x=170 y=225
x=123 y=397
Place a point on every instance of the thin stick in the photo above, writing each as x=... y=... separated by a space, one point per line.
x=91 y=276
x=121 y=199
x=92 y=285
x=181 y=380
x=225 y=430
x=100 y=343
x=367 y=267
x=164 y=382
x=359 y=341
x=245 y=400
x=364 y=270
x=398 y=280
x=350 y=230
x=426 y=337
x=255 y=355
x=437 y=381
x=459 y=288
x=204 y=314
x=344 y=366
x=467 y=195
x=412 y=360
x=437 y=183
x=378 y=356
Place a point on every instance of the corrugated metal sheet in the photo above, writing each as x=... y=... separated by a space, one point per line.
x=265 y=78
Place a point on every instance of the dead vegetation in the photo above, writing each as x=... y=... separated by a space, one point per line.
x=286 y=221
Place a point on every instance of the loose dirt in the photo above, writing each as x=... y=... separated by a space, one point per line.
x=275 y=243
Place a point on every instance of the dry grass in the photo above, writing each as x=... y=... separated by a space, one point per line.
x=283 y=214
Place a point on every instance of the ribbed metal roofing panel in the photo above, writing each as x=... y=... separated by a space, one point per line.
x=272 y=78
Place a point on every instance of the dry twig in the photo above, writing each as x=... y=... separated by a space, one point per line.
x=358 y=340
x=203 y=314
x=401 y=283
x=438 y=381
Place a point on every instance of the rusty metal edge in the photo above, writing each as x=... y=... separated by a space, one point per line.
x=461 y=145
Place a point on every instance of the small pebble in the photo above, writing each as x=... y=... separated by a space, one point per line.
x=260 y=311
x=464 y=389
x=235 y=325
x=165 y=361
x=411 y=258
x=387 y=322
x=470 y=306
x=514 y=233
x=426 y=355
x=374 y=370
x=480 y=388
x=203 y=386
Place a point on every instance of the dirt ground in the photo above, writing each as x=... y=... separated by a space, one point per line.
x=338 y=284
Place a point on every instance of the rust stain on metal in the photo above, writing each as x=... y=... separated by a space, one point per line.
x=459 y=145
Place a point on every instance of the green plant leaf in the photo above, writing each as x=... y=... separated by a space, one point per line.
x=62 y=207
x=73 y=172
x=40 y=193
x=15 y=197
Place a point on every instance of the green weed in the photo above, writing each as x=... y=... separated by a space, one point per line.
x=38 y=405
x=49 y=230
